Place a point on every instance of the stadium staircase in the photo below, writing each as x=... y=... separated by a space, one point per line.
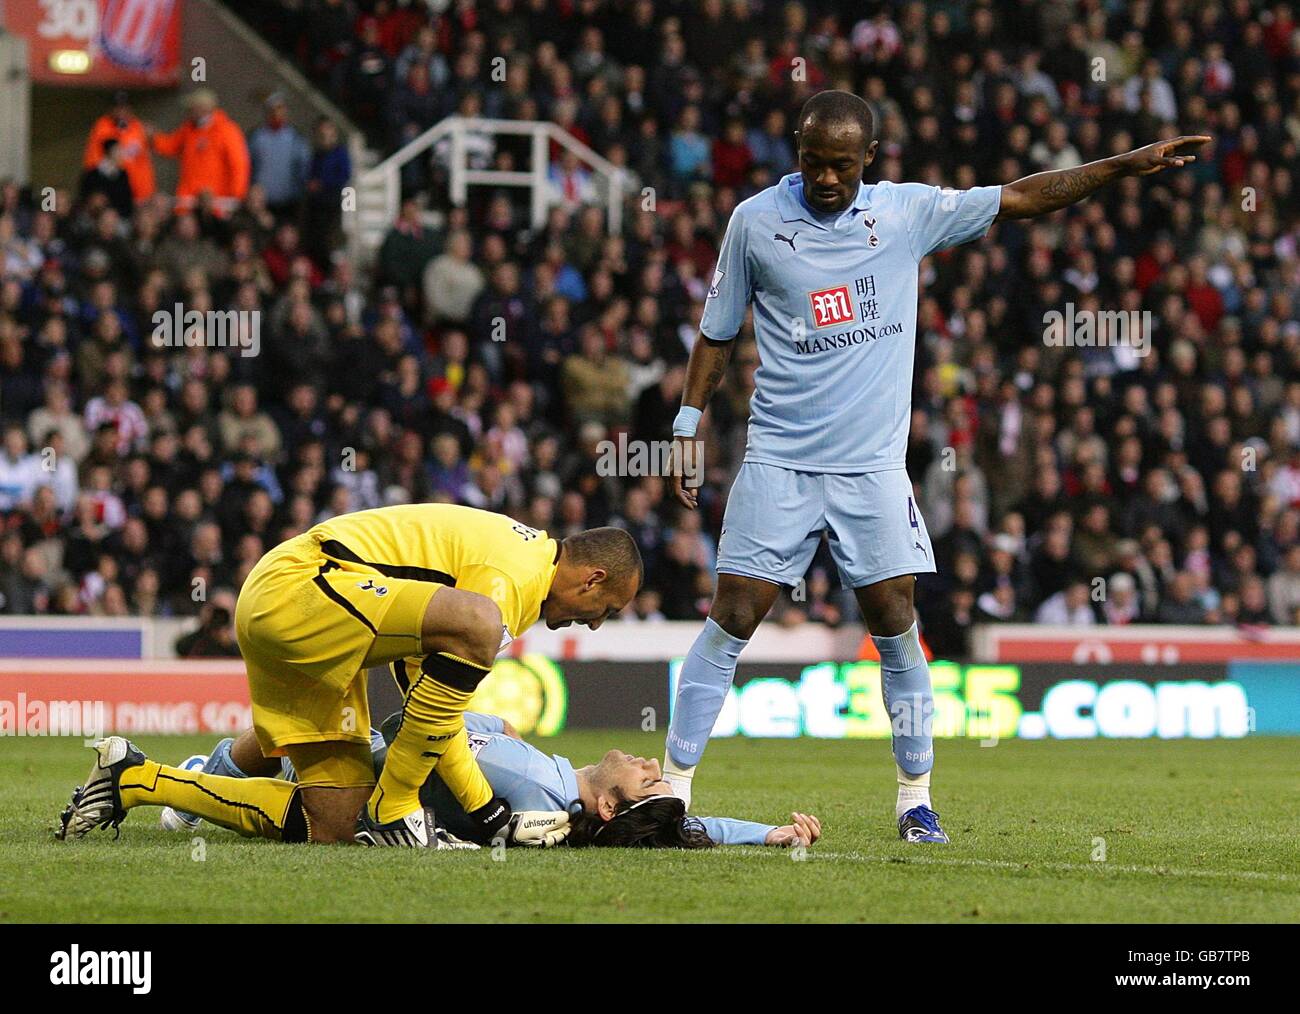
x=379 y=188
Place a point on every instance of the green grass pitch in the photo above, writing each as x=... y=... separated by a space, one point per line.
x=1191 y=831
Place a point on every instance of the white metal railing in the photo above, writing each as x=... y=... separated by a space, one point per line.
x=379 y=189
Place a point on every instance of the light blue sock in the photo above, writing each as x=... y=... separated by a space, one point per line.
x=219 y=762
x=905 y=684
x=702 y=686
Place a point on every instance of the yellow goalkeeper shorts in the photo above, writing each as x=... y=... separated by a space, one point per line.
x=308 y=627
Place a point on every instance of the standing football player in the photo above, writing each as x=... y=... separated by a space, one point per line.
x=830 y=266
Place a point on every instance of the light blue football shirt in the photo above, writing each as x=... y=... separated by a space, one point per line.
x=834 y=300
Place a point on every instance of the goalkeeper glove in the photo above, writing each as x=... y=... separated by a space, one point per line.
x=533 y=828
x=538 y=828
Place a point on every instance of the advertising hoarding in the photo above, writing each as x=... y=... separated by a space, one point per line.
x=826 y=700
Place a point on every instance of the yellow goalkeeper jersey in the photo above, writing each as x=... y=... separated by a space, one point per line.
x=463 y=547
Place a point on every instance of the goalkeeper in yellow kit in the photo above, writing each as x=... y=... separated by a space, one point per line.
x=433 y=591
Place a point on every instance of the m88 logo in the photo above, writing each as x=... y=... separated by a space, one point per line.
x=831 y=306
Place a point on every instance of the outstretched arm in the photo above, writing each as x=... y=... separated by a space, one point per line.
x=1046 y=192
x=803 y=829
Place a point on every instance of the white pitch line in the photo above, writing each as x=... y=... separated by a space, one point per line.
x=1007 y=864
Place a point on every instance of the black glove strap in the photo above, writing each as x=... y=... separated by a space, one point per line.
x=490 y=819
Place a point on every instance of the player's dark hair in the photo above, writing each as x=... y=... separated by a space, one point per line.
x=657 y=822
x=835 y=109
x=612 y=549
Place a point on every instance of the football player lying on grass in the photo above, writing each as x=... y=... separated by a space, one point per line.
x=622 y=801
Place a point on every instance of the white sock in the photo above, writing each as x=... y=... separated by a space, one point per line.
x=679 y=779
x=913 y=790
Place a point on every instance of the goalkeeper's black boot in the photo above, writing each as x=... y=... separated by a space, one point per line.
x=415 y=830
x=98 y=803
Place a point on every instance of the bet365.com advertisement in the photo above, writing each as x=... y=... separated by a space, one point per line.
x=829 y=700
x=842 y=700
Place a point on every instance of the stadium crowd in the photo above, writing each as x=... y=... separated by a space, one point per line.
x=1060 y=485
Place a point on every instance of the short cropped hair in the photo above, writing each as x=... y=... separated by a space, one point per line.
x=612 y=549
x=838 y=108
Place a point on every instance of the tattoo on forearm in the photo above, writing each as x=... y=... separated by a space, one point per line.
x=717 y=370
x=708 y=360
x=1072 y=184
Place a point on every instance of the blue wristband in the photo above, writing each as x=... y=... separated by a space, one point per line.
x=687 y=421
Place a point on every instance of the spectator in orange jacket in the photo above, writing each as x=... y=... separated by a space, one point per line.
x=212 y=152
x=121 y=125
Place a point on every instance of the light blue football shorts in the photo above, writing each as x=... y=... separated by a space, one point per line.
x=775 y=517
